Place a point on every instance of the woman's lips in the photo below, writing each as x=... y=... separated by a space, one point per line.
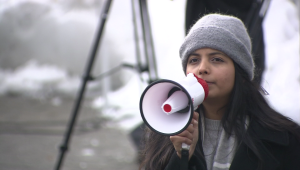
x=209 y=82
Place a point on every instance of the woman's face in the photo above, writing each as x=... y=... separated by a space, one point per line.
x=216 y=68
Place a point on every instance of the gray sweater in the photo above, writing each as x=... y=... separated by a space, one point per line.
x=218 y=149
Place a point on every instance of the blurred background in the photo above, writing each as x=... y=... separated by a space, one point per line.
x=45 y=46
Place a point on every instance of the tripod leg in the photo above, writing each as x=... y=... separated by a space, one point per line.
x=86 y=78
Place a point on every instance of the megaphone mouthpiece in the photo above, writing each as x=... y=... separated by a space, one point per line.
x=203 y=84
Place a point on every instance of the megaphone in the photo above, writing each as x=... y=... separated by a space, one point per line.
x=167 y=106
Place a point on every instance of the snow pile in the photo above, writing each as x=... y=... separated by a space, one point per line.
x=122 y=106
x=40 y=81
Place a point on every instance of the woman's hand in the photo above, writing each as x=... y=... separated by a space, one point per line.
x=189 y=136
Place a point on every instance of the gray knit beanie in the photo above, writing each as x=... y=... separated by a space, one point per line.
x=221 y=32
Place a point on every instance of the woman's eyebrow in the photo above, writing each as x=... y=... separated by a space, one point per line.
x=195 y=54
x=209 y=54
x=216 y=53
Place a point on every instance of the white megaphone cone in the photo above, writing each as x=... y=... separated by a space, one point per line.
x=167 y=106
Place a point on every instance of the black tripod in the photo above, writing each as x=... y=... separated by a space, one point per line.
x=140 y=11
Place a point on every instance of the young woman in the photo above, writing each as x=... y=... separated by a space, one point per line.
x=234 y=128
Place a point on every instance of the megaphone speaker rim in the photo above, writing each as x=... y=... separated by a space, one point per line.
x=183 y=89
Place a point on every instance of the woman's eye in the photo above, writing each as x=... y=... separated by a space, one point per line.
x=193 y=60
x=217 y=59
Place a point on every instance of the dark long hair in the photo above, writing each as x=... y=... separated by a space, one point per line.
x=246 y=100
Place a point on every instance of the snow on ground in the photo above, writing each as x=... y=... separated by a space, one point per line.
x=281 y=79
x=122 y=106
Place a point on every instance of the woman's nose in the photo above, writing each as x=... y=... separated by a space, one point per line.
x=203 y=68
